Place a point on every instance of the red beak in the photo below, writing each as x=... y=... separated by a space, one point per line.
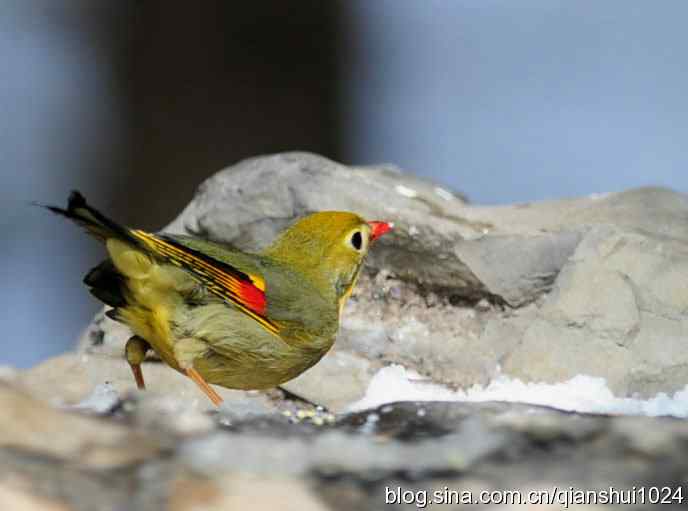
x=377 y=229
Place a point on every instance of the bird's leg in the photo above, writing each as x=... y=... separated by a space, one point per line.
x=135 y=351
x=203 y=385
x=186 y=350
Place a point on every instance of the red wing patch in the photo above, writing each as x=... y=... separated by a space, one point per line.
x=245 y=291
x=253 y=297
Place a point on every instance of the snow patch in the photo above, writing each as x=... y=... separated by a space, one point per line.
x=582 y=393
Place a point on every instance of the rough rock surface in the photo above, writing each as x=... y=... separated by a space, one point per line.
x=82 y=459
x=540 y=291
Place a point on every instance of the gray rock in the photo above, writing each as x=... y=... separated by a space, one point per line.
x=540 y=291
x=60 y=459
x=499 y=263
x=618 y=310
x=34 y=426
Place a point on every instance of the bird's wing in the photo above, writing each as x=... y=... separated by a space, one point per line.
x=245 y=290
x=292 y=301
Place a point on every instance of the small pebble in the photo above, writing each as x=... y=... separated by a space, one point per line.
x=483 y=305
x=395 y=292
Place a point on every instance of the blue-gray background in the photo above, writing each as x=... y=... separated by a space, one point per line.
x=505 y=101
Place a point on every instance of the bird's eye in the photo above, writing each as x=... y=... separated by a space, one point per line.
x=357 y=240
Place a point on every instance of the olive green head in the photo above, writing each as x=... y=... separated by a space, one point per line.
x=328 y=247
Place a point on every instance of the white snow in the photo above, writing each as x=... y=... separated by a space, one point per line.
x=581 y=394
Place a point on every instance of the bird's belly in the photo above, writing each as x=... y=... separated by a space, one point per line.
x=256 y=369
x=236 y=352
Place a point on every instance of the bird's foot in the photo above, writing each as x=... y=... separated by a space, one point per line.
x=135 y=352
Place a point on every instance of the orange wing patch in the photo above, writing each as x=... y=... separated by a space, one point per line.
x=245 y=291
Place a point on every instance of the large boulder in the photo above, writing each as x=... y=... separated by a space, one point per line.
x=57 y=459
x=541 y=291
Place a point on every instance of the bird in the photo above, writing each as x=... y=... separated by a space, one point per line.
x=220 y=315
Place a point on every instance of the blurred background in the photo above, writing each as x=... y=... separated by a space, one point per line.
x=136 y=102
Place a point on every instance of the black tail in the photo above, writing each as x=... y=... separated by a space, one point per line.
x=93 y=220
x=104 y=281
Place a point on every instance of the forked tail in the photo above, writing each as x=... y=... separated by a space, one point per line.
x=91 y=219
x=105 y=281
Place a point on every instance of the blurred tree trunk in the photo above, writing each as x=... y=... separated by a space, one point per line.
x=215 y=81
